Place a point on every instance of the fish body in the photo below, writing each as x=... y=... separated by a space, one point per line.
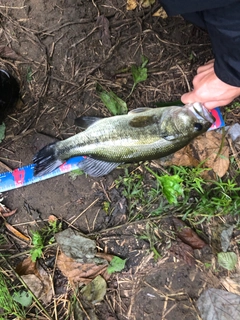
x=142 y=134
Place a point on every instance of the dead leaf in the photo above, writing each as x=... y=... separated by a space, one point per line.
x=105 y=256
x=160 y=13
x=232 y=283
x=95 y=291
x=38 y=287
x=131 y=4
x=184 y=252
x=9 y=53
x=218 y=304
x=52 y=218
x=36 y=278
x=146 y=3
x=6 y=212
x=187 y=235
x=204 y=149
x=79 y=272
x=104 y=32
x=17 y=233
x=27 y=266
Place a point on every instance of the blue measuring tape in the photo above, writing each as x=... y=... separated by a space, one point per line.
x=24 y=176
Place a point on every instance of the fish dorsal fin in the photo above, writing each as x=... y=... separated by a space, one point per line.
x=139 y=110
x=142 y=121
x=85 y=121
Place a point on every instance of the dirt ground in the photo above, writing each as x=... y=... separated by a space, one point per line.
x=61 y=55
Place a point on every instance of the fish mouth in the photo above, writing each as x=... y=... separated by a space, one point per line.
x=201 y=112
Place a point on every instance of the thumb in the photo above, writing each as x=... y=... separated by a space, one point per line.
x=187 y=98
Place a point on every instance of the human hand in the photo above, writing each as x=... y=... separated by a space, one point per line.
x=209 y=89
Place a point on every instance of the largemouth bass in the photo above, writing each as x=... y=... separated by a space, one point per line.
x=142 y=134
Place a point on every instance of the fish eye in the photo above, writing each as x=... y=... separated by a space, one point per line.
x=198 y=126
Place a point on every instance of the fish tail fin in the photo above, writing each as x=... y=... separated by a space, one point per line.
x=46 y=160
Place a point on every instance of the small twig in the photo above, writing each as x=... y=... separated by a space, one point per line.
x=96 y=7
x=18 y=8
x=234 y=152
x=185 y=77
x=81 y=40
x=5 y=167
x=80 y=214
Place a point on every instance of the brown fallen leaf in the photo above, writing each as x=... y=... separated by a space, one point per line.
x=38 y=287
x=147 y=3
x=26 y=266
x=183 y=251
x=17 y=233
x=131 y=4
x=9 y=53
x=104 y=32
x=52 y=218
x=160 y=13
x=205 y=149
x=36 y=278
x=6 y=212
x=187 y=235
x=79 y=272
x=232 y=283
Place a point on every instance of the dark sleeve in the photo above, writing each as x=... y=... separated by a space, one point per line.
x=174 y=7
x=223 y=25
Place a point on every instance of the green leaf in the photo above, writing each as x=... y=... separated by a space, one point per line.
x=37 y=239
x=36 y=253
x=95 y=290
x=75 y=173
x=2 y=131
x=113 y=103
x=117 y=264
x=139 y=73
x=23 y=297
x=227 y=260
x=171 y=187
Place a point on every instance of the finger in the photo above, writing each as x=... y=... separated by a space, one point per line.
x=205 y=67
x=188 y=97
x=214 y=104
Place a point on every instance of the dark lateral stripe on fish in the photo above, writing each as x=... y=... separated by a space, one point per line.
x=97 y=168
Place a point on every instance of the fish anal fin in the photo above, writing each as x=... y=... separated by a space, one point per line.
x=97 y=168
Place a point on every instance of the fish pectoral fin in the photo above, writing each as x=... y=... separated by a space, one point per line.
x=139 y=110
x=97 y=168
x=85 y=121
x=170 y=137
